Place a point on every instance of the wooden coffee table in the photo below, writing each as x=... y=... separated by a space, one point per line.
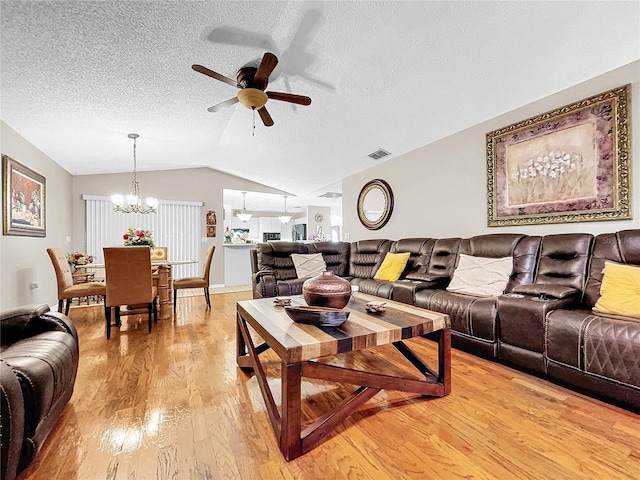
x=297 y=344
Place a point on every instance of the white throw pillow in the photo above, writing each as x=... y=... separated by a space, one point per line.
x=486 y=277
x=308 y=265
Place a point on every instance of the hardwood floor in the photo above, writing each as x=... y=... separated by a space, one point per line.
x=173 y=405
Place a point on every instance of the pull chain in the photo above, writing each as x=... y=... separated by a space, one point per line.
x=254 y=122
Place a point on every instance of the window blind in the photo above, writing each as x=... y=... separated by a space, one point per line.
x=176 y=225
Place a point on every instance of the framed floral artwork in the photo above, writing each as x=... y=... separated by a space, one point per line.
x=571 y=164
x=24 y=200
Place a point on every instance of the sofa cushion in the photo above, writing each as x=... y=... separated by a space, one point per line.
x=392 y=266
x=308 y=265
x=620 y=290
x=482 y=276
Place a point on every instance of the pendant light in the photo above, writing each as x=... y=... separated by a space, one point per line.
x=244 y=215
x=286 y=217
x=134 y=202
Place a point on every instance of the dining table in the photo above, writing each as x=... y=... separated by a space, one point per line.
x=162 y=279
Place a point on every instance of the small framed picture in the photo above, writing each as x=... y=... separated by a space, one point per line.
x=211 y=217
x=211 y=230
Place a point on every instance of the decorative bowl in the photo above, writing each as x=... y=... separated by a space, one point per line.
x=327 y=290
x=319 y=316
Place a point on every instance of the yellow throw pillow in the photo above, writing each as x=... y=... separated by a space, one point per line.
x=620 y=291
x=392 y=266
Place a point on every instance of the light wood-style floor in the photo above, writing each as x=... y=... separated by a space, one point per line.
x=173 y=405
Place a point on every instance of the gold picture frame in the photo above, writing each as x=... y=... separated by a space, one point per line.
x=571 y=164
x=24 y=200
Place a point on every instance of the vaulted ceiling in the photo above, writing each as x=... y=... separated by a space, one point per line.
x=78 y=76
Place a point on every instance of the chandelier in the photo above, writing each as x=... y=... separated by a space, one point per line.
x=244 y=215
x=286 y=217
x=134 y=202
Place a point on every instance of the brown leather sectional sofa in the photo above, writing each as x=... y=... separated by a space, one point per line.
x=543 y=323
x=39 y=363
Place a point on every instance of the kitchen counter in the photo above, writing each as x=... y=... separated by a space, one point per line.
x=237 y=263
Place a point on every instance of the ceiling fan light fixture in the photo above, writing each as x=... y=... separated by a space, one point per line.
x=252 y=98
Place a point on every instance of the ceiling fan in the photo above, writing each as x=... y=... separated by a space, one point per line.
x=252 y=82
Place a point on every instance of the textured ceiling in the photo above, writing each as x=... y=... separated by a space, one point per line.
x=78 y=76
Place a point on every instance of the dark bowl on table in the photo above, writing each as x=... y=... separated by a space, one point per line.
x=319 y=316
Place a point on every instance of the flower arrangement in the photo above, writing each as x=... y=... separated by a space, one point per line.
x=137 y=236
x=77 y=258
x=548 y=177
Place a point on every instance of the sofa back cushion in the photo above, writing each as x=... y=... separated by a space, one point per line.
x=419 y=253
x=367 y=256
x=523 y=249
x=525 y=261
x=443 y=257
x=564 y=259
x=620 y=247
x=276 y=256
x=335 y=254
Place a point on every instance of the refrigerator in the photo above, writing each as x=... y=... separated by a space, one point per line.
x=299 y=232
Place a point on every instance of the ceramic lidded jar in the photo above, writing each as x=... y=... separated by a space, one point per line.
x=327 y=290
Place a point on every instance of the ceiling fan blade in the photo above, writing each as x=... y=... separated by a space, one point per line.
x=289 y=97
x=225 y=104
x=212 y=74
x=268 y=63
x=266 y=118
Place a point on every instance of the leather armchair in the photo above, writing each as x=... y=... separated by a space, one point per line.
x=39 y=358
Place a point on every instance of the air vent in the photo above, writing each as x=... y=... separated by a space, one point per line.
x=331 y=195
x=378 y=154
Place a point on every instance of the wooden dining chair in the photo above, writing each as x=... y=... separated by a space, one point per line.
x=129 y=282
x=195 y=282
x=66 y=288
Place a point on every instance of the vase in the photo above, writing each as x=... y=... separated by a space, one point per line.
x=327 y=290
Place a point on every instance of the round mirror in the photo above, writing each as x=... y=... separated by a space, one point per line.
x=375 y=204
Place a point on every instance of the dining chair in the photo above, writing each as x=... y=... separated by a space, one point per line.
x=195 y=282
x=66 y=288
x=129 y=282
x=159 y=253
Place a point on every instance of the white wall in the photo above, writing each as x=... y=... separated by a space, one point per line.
x=24 y=259
x=312 y=224
x=440 y=189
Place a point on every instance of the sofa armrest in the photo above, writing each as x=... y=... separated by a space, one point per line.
x=61 y=322
x=17 y=322
x=264 y=284
x=428 y=280
x=546 y=290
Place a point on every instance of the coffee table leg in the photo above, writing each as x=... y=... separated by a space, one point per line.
x=242 y=355
x=444 y=359
x=291 y=423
